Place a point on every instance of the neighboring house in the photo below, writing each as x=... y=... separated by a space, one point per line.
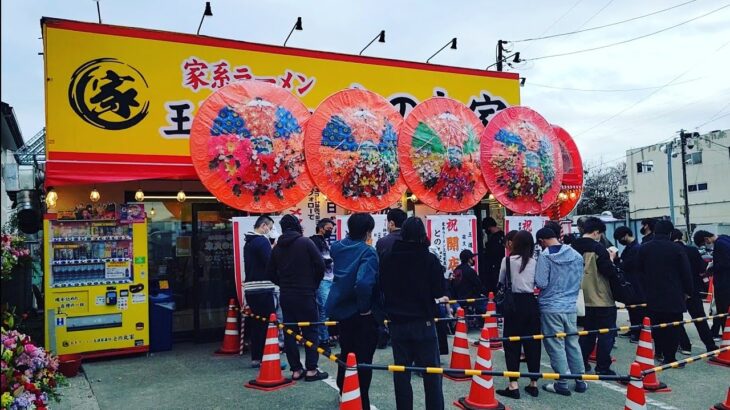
x=12 y=140
x=708 y=169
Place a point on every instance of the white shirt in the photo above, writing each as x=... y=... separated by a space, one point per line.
x=522 y=282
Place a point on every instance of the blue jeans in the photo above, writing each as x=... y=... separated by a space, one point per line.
x=322 y=293
x=565 y=354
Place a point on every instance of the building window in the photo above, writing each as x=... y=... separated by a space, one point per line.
x=694 y=158
x=645 y=166
x=697 y=187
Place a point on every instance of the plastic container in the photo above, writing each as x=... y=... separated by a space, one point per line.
x=69 y=364
x=162 y=307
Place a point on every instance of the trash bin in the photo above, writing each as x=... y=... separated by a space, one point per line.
x=161 y=308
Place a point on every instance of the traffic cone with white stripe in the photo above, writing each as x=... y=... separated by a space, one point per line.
x=270 y=377
x=460 y=358
x=723 y=359
x=350 y=398
x=230 y=345
x=645 y=358
x=725 y=405
x=490 y=323
x=635 y=396
x=481 y=393
x=710 y=290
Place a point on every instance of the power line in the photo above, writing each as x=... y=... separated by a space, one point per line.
x=628 y=40
x=712 y=117
x=603 y=26
x=713 y=120
x=557 y=20
x=595 y=14
x=607 y=90
x=650 y=94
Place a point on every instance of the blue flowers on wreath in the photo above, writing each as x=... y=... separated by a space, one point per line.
x=229 y=122
x=286 y=124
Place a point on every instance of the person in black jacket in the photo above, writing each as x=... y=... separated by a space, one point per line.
x=411 y=282
x=694 y=303
x=395 y=218
x=296 y=265
x=257 y=286
x=665 y=274
x=627 y=263
x=492 y=256
x=647 y=229
x=720 y=245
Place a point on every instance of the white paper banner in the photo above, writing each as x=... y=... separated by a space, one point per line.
x=451 y=234
x=380 y=230
x=531 y=224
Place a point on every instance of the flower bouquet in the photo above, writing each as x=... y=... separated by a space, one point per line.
x=14 y=253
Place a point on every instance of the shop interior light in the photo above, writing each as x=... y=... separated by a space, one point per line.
x=51 y=198
x=413 y=198
x=95 y=196
x=181 y=197
x=139 y=195
x=491 y=197
x=167 y=197
x=152 y=211
x=572 y=194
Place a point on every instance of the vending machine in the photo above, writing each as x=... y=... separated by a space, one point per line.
x=96 y=282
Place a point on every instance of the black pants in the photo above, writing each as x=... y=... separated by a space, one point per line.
x=696 y=309
x=636 y=317
x=598 y=318
x=722 y=301
x=261 y=304
x=666 y=340
x=415 y=343
x=524 y=321
x=359 y=335
x=300 y=308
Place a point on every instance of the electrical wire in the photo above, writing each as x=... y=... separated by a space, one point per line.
x=713 y=116
x=607 y=90
x=595 y=14
x=555 y=22
x=713 y=120
x=603 y=26
x=628 y=40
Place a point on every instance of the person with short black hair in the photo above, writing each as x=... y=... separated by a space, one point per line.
x=296 y=265
x=465 y=283
x=325 y=226
x=627 y=262
x=492 y=256
x=395 y=218
x=599 y=301
x=695 y=308
x=411 y=280
x=647 y=229
x=666 y=274
x=720 y=245
x=555 y=227
x=353 y=298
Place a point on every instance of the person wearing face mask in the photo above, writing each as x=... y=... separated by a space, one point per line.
x=598 y=269
x=465 y=283
x=321 y=239
x=647 y=229
x=257 y=286
x=627 y=262
x=720 y=245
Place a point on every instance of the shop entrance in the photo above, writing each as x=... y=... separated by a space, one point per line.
x=213 y=279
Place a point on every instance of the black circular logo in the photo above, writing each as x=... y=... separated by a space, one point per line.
x=109 y=94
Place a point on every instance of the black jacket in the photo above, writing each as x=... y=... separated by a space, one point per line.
x=410 y=279
x=465 y=283
x=603 y=260
x=296 y=264
x=628 y=263
x=491 y=259
x=664 y=270
x=721 y=264
x=256 y=253
x=697 y=266
x=385 y=244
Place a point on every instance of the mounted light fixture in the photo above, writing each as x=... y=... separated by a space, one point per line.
x=152 y=211
x=491 y=197
x=95 y=196
x=297 y=26
x=380 y=37
x=522 y=81
x=453 y=47
x=51 y=198
x=181 y=197
x=139 y=195
x=412 y=197
x=572 y=195
x=208 y=12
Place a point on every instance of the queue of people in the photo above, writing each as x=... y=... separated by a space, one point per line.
x=403 y=281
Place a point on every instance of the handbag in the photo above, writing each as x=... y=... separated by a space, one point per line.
x=622 y=290
x=580 y=304
x=504 y=299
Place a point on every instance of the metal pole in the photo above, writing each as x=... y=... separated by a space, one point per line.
x=683 y=137
x=500 y=58
x=669 y=180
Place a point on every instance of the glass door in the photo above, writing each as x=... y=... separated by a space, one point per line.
x=214 y=279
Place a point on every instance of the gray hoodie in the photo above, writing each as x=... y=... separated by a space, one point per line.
x=558 y=276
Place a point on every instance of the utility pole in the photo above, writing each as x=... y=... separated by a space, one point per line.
x=684 y=136
x=500 y=54
x=669 y=147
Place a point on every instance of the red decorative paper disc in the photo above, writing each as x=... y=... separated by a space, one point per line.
x=572 y=184
x=521 y=160
x=438 y=148
x=247 y=145
x=351 y=150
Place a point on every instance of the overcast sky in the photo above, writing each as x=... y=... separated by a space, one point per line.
x=689 y=59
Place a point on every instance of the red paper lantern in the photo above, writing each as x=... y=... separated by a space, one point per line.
x=572 y=184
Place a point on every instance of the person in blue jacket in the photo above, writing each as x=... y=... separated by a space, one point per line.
x=352 y=297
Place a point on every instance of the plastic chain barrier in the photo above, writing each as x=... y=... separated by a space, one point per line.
x=685 y=361
x=633 y=306
x=334 y=323
x=687 y=321
x=455 y=301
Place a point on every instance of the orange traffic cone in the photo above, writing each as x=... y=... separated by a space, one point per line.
x=723 y=359
x=723 y=406
x=231 y=344
x=490 y=323
x=481 y=393
x=710 y=290
x=645 y=358
x=635 y=396
x=350 y=398
x=594 y=352
x=460 y=358
x=270 y=377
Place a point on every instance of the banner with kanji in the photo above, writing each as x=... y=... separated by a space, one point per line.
x=531 y=224
x=451 y=234
x=120 y=101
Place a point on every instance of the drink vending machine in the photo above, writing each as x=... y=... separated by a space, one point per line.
x=96 y=282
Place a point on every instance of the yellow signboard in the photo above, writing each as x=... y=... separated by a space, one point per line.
x=124 y=96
